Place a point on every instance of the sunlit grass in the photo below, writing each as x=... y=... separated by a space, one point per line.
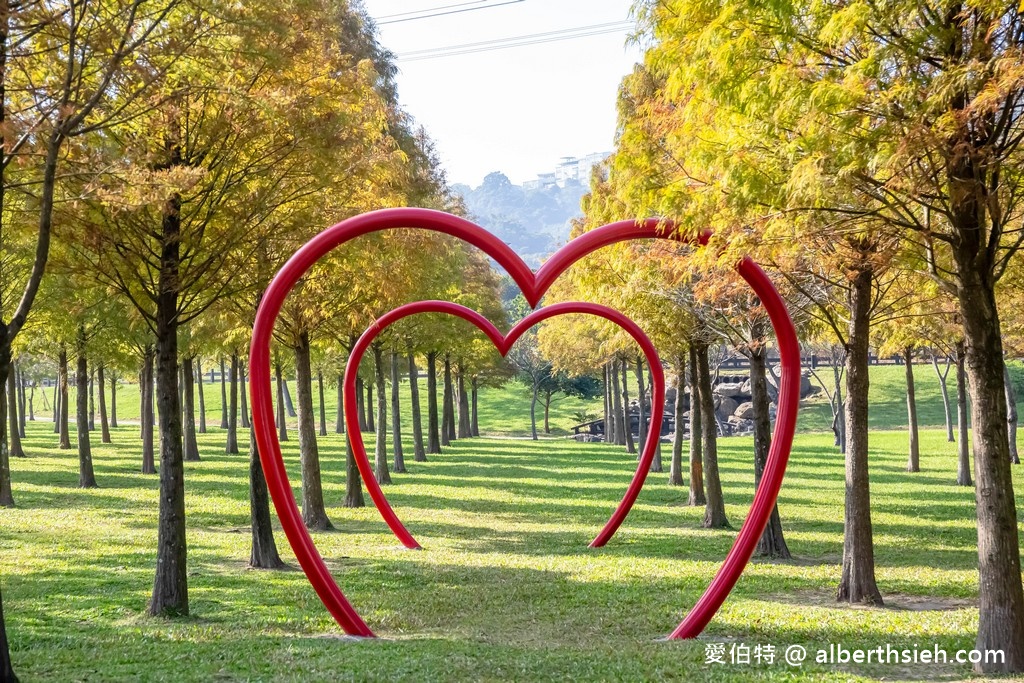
x=506 y=588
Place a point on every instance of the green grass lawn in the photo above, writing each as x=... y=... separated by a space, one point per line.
x=506 y=588
x=887 y=397
x=504 y=411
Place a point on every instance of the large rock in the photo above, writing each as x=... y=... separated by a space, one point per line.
x=805 y=384
x=725 y=406
x=745 y=411
x=739 y=425
x=729 y=390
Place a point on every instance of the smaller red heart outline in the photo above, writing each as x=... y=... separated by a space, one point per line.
x=503 y=342
x=533 y=286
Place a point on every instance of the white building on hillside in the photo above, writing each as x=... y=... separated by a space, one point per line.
x=569 y=170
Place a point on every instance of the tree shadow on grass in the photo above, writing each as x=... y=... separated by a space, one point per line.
x=441 y=619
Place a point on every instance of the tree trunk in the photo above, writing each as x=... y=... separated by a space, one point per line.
x=31 y=402
x=113 y=400
x=533 y=412
x=618 y=429
x=963 y=466
x=148 y=456
x=242 y=396
x=465 y=430
x=282 y=427
x=264 y=553
x=65 y=438
x=419 y=453
x=1011 y=415
x=914 y=458
x=6 y=492
x=381 y=450
x=6 y=668
x=92 y=402
x=56 y=402
x=7 y=335
x=857 y=584
x=8 y=332
x=223 y=395
x=314 y=514
x=181 y=399
x=607 y=425
x=840 y=411
x=772 y=543
x=188 y=396
x=370 y=408
x=714 y=509
x=353 y=480
x=361 y=405
x=231 y=444
x=642 y=425
x=656 y=464
x=181 y=391
x=323 y=408
x=289 y=406
x=433 y=428
x=547 y=411
x=474 y=419
x=339 y=415
x=91 y=411
x=970 y=177
x=396 y=418
x=16 y=449
x=945 y=397
x=447 y=406
x=104 y=423
x=627 y=417
x=675 y=469
x=86 y=476
x=21 y=401
x=202 y=397
x=170 y=586
x=1000 y=594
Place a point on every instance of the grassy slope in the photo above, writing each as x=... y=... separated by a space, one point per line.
x=506 y=411
x=506 y=588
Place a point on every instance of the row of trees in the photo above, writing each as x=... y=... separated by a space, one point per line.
x=870 y=154
x=158 y=174
x=161 y=159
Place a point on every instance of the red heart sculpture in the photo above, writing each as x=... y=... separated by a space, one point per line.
x=503 y=343
x=533 y=285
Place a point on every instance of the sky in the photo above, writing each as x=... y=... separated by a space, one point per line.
x=516 y=110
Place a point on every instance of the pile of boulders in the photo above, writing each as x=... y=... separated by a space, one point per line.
x=733 y=406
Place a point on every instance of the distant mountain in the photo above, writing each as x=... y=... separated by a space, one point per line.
x=534 y=221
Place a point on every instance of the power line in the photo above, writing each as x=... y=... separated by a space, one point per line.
x=563 y=31
x=429 y=9
x=506 y=47
x=515 y=41
x=454 y=11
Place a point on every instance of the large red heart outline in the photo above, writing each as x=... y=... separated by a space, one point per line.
x=504 y=343
x=533 y=286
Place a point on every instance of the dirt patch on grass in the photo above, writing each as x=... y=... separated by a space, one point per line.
x=823 y=560
x=893 y=601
